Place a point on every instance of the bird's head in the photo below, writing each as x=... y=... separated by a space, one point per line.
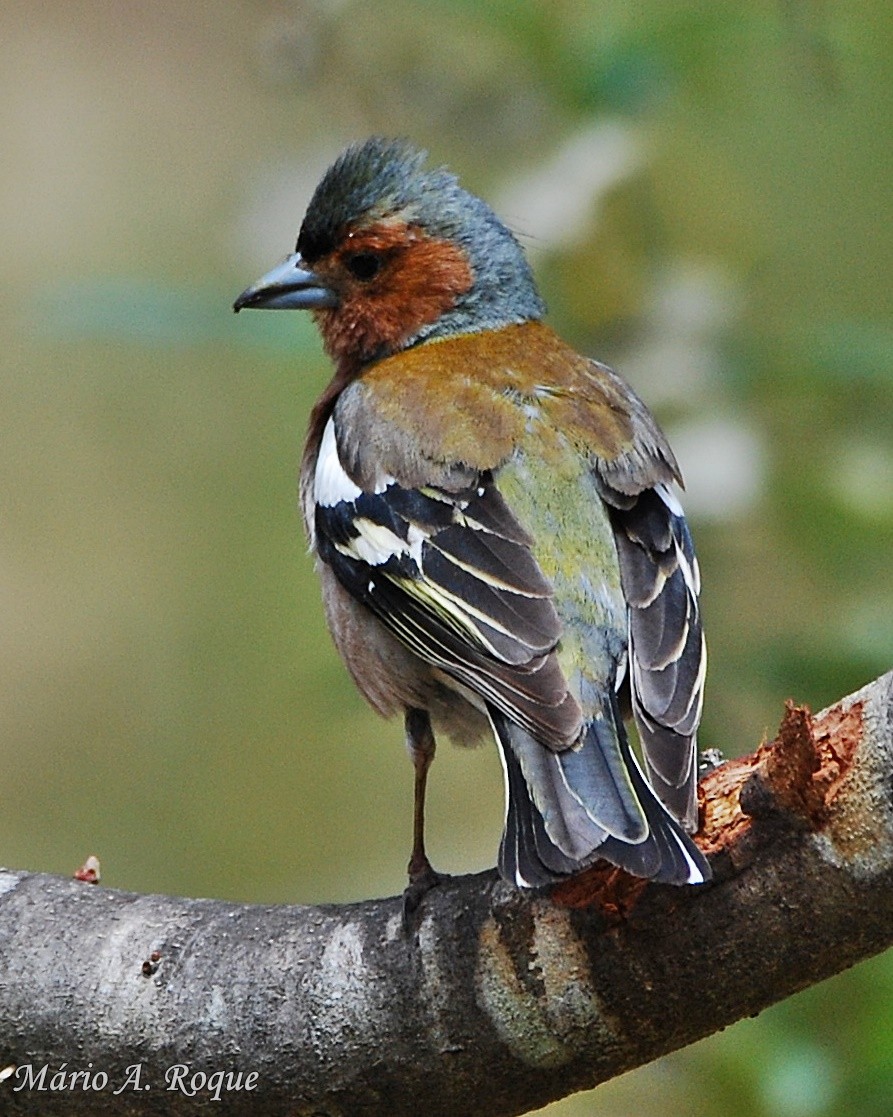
x=391 y=254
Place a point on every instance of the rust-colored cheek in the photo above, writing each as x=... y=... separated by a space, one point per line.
x=421 y=281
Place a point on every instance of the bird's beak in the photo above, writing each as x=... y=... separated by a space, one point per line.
x=289 y=286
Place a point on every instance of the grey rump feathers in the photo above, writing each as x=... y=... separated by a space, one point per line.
x=382 y=179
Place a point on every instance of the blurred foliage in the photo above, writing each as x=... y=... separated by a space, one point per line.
x=712 y=215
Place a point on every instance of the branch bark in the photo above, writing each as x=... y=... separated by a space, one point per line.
x=498 y=1002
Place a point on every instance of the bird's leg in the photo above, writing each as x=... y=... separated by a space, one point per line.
x=420 y=744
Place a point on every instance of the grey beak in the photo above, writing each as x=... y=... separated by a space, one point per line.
x=289 y=286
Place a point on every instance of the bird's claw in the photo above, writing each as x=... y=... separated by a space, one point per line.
x=421 y=881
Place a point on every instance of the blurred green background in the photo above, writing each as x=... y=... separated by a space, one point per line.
x=705 y=192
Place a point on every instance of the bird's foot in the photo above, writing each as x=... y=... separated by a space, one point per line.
x=422 y=878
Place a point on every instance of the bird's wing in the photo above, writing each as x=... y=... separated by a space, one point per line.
x=658 y=574
x=667 y=654
x=451 y=573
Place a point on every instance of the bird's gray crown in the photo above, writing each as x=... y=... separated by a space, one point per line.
x=384 y=178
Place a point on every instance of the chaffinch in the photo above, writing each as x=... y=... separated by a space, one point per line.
x=492 y=514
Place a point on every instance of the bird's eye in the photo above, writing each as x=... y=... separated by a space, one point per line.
x=363 y=265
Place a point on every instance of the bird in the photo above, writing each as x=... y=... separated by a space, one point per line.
x=495 y=522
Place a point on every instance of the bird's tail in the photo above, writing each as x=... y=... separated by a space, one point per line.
x=565 y=810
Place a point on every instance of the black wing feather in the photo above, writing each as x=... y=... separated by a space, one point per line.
x=462 y=590
x=659 y=574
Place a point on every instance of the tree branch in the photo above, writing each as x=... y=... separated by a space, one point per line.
x=498 y=1002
